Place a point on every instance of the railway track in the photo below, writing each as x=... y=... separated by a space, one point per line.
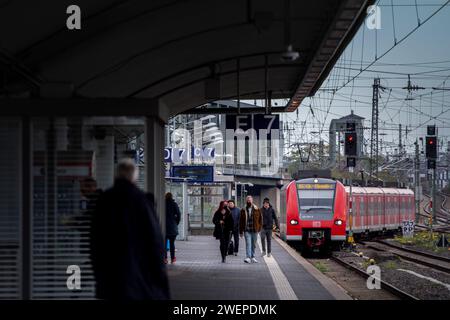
x=441 y=218
x=442 y=215
x=386 y=286
x=425 y=254
x=443 y=203
x=422 y=227
x=423 y=258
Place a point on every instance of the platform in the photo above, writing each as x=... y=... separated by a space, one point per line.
x=199 y=274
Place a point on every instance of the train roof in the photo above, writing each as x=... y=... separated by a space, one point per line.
x=372 y=190
x=310 y=180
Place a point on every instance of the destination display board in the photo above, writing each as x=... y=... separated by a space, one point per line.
x=194 y=174
x=315 y=186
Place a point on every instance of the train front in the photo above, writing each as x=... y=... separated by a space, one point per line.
x=321 y=217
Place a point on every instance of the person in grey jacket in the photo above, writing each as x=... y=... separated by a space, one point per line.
x=269 y=217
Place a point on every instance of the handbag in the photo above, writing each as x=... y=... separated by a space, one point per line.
x=230 y=247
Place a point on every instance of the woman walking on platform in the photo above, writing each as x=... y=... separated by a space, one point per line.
x=223 y=222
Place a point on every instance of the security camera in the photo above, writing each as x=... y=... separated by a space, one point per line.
x=289 y=55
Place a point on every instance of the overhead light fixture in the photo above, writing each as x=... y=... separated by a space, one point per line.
x=210 y=116
x=211 y=129
x=210 y=124
x=289 y=55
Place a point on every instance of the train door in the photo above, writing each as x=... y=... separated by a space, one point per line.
x=370 y=211
x=387 y=211
x=362 y=211
x=412 y=209
x=390 y=211
x=282 y=213
x=409 y=207
x=403 y=209
x=400 y=209
x=353 y=220
x=376 y=214
x=380 y=209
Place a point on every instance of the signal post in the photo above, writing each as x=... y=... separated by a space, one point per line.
x=431 y=148
x=351 y=152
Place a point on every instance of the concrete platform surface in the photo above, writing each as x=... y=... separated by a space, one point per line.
x=199 y=274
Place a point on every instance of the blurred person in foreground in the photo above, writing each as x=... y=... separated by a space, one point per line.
x=127 y=245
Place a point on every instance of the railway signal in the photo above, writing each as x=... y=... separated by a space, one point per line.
x=350 y=144
x=351 y=151
x=431 y=147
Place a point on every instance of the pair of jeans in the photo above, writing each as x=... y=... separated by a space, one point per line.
x=250 y=243
x=266 y=235
x=171 y=246
x=224 y=243
x=236 y=240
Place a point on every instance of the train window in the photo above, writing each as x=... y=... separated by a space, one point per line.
x=316 y=204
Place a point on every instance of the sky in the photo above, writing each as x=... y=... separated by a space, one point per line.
x=401 y=48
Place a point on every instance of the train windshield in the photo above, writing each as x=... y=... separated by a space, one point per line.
x=316 y=201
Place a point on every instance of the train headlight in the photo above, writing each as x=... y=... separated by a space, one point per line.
x=338 y=222
x=294 y=222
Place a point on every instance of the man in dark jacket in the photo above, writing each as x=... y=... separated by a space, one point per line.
x=269 y=217
x=235 y=213
x=173 y=217
x=127 y=246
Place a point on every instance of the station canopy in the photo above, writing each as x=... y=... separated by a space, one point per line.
x=184 y=53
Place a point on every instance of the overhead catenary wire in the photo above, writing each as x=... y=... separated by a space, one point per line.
x=398 y=43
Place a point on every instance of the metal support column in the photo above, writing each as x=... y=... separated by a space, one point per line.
x=350 y=210
x=433 y=194
x=185 y=210
x=27 y=207
x=417 y=188
x=154 y=165
x=374 y=130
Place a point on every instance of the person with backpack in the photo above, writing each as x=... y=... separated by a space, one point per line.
x=235 y=212
x=173 y=216
x=223 y=226
x=269 y=218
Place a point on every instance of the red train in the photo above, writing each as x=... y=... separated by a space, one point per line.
x=314 y=211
